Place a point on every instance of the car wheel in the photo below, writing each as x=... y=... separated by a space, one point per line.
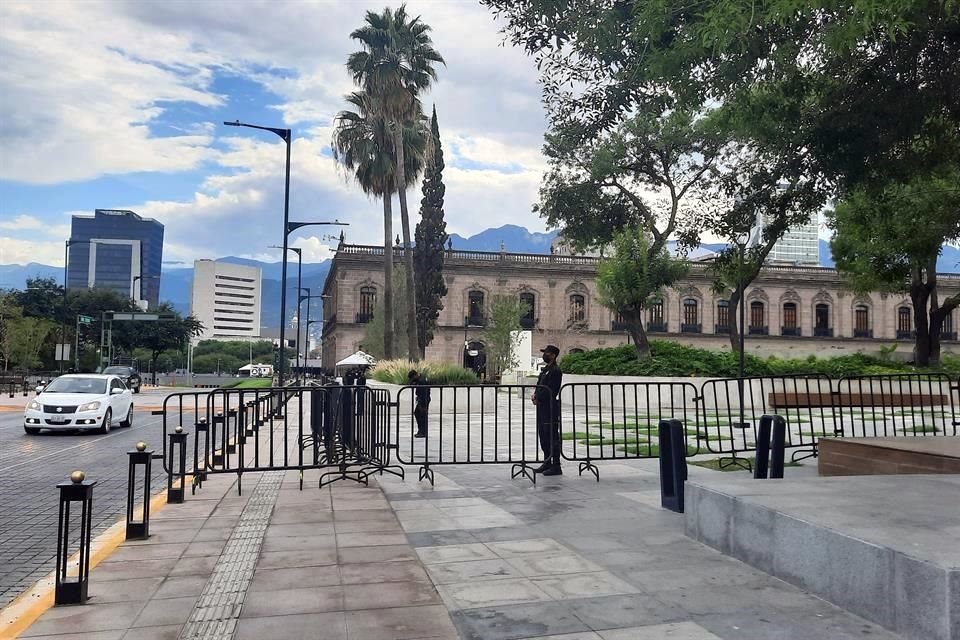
x=128 y=421
x=32 y=431
x=107 y=418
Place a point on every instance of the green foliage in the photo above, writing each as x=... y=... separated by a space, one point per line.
x=23 y=338
x=671 y=359
x=249 y=383
x=396 y=371
x=501 y=335
x=431 y=236
x=634 y=277
x=259 y=351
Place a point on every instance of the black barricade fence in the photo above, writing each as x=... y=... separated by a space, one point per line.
x=294 y=428
x=469 y=424
x=621 y=420
x=731 y=410
x=895 y=405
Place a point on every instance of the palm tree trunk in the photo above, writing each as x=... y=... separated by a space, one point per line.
x=413 y=344
x=388 y=276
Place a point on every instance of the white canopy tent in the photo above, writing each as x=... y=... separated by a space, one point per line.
x=358 y=359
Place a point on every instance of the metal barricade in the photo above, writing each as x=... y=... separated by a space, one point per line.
x=731 y=410
x=621 y=420
x=469 y=424
x=915 y=404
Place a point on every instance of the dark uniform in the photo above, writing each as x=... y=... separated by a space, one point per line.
x=421 y=409
x=548 y=412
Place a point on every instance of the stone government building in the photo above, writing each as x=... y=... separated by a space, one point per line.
x=792 y=311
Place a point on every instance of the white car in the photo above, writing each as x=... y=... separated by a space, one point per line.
x=84 y=402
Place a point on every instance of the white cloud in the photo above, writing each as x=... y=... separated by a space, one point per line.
x=20 y=251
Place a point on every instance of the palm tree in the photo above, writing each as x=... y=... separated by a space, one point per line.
x=397 y=64
x=362 y=143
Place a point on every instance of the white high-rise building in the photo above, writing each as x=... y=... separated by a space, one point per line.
x=226 y=299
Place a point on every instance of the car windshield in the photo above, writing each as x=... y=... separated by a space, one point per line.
x=77 y=385
x=117 y=370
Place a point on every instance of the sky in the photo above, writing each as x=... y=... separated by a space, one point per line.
x=120 y=105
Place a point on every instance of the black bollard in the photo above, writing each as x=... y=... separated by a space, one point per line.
x=78 y=489
x=178 y=440
x=139 y=530
x=673 y=464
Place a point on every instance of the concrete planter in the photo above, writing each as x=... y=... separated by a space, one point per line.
x=445 y=400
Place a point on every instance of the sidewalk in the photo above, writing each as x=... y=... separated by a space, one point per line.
x=477 y=557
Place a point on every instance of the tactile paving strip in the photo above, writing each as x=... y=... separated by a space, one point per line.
x=215 y=615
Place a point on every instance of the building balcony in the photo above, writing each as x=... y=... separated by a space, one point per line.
x=721 y=329
x=528 y=323
x=863 y=333
x=790 y=331
x=691 y=328
x=759 y=331
x=823 y=332
x=364 y=318
x=656 y=327
x=948 y=335
x=475 y=321
x=906 y=334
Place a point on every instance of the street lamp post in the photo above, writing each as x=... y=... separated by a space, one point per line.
x=306 y=336
x=286 y=136
x=283 y=318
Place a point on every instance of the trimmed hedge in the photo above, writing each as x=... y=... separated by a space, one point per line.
x=671 y=359
x=395 y=372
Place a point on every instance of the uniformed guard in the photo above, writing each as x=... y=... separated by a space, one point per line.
x=547 y=399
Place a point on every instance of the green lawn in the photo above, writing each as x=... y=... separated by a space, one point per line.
x=251 y=383
x=650 y=450
x=920 y=429
x=714 y=463
x=581 y=435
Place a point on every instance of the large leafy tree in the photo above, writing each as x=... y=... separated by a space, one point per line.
x=374 y=337
x=158 y=337
x=632 y=278
x=889 y=239
x=362 y=144
x=431 y=236
x=395 y=67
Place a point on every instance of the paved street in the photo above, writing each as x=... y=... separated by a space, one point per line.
x=31 y=466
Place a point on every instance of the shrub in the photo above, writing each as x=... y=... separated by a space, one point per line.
x=395 y=372
x=678 y=360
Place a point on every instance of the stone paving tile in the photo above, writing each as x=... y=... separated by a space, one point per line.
x=116 y=634
x=134 y=589
x=163 y=632
x=474 y=570
x=517 y=621
x=404 y=623
x=294 y=577
x=373 y=573
x=582 y=585
x=285 y=559
x=293 y=601
x=670 y=631
x=490 y=593
x=550 y=564
x=172 y=611
x=390 y=553
x=529 y=547
x=295 y=627
x=93 y=617
x=389 y=595
x=455 y=553
x=180 y=586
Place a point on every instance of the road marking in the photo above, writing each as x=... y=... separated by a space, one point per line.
x=119 y=432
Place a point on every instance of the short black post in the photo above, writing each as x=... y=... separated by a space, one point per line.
x=200 y=426
x=217 y=454
x=78 y=489
x=673 y=464
x=232 y=433
x=250 y=417
x=178 y=452
x=778 y=448
x=762 y=464
x=139 y=530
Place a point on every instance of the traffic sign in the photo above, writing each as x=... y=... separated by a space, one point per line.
x=84 y=319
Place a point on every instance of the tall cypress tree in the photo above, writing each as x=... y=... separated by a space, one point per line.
x=430 y=237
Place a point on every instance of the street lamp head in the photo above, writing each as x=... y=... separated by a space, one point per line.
x=235 y=123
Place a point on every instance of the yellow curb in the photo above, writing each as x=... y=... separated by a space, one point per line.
x=17 y=616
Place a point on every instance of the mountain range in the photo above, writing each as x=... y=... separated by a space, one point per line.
x=176 y=280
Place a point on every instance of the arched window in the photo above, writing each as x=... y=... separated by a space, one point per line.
x=821 y=320
x=475 y=306
x=946 y=329
x=691 y=316
x=723 y=317
x=861 y=322
x=529 y=301
x=655 y=320
x=368 y=302
x=904 y=322
x=790 y=326
x=758 y=320
x=578 y=308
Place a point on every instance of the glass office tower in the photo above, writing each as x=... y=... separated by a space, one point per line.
x=111 y=248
